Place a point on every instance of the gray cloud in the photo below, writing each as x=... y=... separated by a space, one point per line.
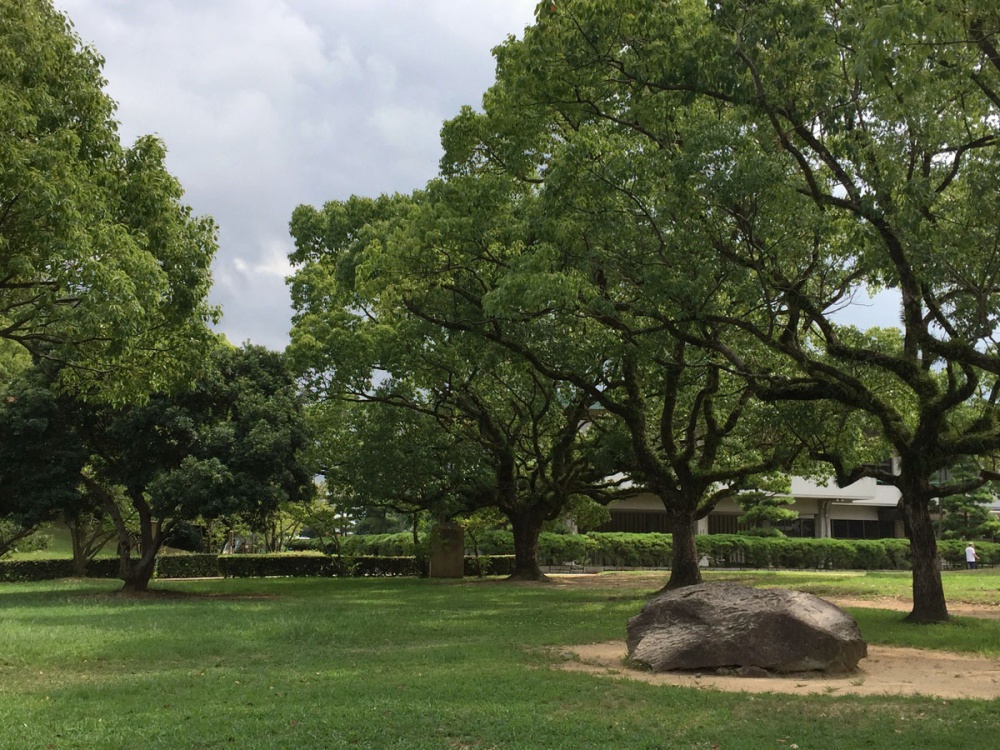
x=267 y=104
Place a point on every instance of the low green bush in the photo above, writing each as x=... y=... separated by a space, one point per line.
x=493 y=542
x=489 y=565
x=952 y=551
x=307 y=545
x=365 y=566
x=559 y=549
x=382 y=545
x=599 y=549
x=188 y=566
x=34 y=570
x=47 y=570
x=103 y=567
x=620 y=549
x=290 y=564
x=736 y=550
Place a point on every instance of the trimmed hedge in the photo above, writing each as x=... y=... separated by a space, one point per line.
x=381 y=545
x=35 y=570
x=734 y=550
x=292 y=564
x=374 y=566
x=47 y=570
x=615 y=550
x=195 y=565
x=105 y=567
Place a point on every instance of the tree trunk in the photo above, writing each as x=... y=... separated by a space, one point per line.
x=929 y=604
x=136 y=574
x=526 y=526
x=88 y=537
x=684 y=570
x=80 y=558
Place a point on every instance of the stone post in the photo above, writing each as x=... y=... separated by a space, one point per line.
x=447 y=544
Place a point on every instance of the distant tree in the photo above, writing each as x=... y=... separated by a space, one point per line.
x=234 y=444
x=967 y=516
x=41 y=458
x=323 y=520
x=765 y=504
x=583 y=285
x=386 y=463
x=102 y=268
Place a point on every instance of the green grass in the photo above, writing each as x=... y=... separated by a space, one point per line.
x=974 y=586
x=379 y=663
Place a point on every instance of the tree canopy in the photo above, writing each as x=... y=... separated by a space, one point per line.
x=233 y=444
x=375 y=323
x=102 y=267
x=808 y=152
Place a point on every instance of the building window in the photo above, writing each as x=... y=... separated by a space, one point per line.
x=800 y=528
x=719 y=523
x=845 y=529
x=638 y=522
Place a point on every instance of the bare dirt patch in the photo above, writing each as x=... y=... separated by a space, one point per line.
x=885 y=671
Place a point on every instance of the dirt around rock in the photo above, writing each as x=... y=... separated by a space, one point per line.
x=886 y=670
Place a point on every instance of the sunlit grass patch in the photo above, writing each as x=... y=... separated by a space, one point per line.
x=317 y=663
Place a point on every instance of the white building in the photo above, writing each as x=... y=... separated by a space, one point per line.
x=863 y=510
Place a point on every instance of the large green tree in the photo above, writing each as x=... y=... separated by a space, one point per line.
x=827 y=149
x=612 y=291
x=233 y=444
x=392 y=453
x=102 y=267
x=360 y=321
x=856 y=148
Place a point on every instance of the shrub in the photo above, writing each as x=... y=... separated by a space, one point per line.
x=374 y=566
x=382 y=545
x=558 y=549
x=35 y=570
x=495 y=542
x=188 y=566
x=307 y=545
x=103 y=567
x=489 y=565
x=300 y=564
x=871 y=555
x=619 y=549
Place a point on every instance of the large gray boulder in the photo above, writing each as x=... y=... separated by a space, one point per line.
x=725 y=625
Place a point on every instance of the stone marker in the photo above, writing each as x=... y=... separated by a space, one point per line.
x=447 y=551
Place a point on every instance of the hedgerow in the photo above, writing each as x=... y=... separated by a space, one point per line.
x=394 y=555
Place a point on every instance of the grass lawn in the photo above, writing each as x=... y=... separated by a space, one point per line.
x=405 y=663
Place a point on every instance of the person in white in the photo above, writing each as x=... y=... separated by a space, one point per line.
x=970 y=556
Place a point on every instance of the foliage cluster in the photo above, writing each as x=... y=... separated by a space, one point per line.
x=103 y=268
x=231 y=446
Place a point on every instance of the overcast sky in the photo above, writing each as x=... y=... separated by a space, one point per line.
x=268 y=104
